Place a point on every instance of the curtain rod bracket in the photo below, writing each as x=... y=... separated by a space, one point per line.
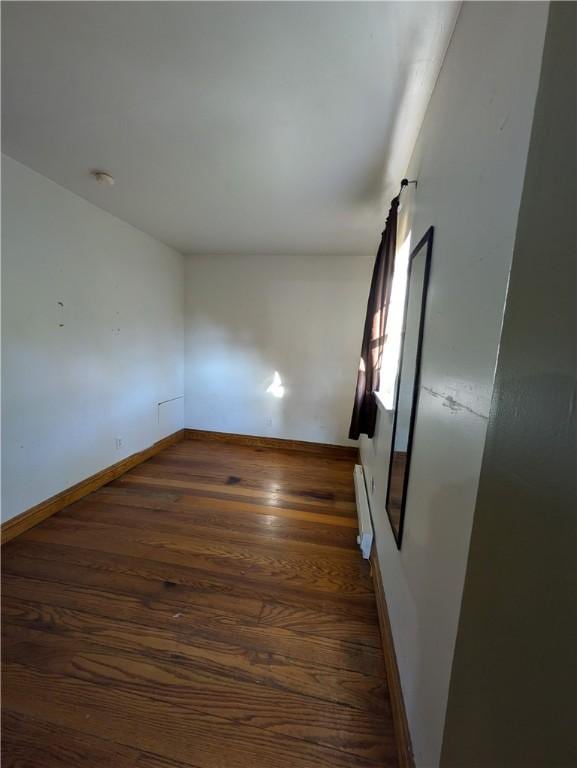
x=406 y=182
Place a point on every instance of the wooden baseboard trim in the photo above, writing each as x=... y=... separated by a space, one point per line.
x=34 y=515
x=402 y=735
x=344 y=451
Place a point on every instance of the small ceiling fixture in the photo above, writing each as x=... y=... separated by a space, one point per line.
x=102 y=177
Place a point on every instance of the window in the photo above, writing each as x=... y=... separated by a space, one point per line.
x=392 y=346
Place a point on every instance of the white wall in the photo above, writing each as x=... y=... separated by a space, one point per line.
x=249 y=316
x=469 y=161
x=520 y=709
x=92 y=317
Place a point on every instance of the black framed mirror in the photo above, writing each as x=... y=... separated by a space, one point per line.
x=407 y=384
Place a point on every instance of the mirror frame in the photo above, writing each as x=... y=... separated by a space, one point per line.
x=425 y=241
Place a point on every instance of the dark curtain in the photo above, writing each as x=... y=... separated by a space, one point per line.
x=365 y=406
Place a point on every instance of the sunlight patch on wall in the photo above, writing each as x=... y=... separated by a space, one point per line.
x=276 y=389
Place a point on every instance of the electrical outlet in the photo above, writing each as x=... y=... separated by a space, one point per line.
x=118 y=443
x=268 y=421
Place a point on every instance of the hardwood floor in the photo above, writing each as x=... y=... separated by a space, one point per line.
x=209 y=609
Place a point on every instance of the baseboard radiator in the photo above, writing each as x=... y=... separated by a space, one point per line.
x=365 y=537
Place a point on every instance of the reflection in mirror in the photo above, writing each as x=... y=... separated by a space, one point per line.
x=407 y=388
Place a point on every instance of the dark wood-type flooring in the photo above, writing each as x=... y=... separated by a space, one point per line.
x=209 y=609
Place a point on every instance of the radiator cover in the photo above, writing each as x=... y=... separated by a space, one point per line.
x=365 y=537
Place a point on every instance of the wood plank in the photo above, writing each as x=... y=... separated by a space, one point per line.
x=330 y=503
x=222 y=501
x=135 y=577
x=185 y=587
x=148 y=760
x=208 y=527
x=355 y=689
x=207 y=609
x=269 y=524
x=30 y=743
x=152 y=579
x=201 y=691
x=317 y=484
x=321 y=575
x=170 y=729
x=209 y=623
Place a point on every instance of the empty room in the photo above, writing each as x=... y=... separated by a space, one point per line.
x=289 y=384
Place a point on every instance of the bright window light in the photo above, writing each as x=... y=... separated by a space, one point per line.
x=392 y=346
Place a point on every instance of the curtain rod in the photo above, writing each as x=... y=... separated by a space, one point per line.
x=405 y=183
